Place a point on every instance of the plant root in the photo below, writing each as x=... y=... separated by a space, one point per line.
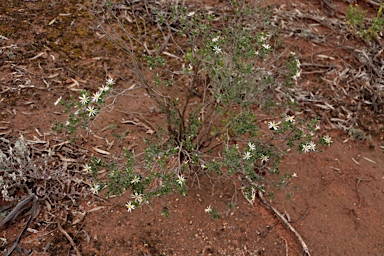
x=285 y=221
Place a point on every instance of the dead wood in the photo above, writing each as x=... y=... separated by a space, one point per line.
x=273 y=210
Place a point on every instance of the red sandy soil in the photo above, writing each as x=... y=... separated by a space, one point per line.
x=337 y=197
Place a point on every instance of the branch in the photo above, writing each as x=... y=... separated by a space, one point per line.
x=285 y=221
x=35 y=206
x=69 y=239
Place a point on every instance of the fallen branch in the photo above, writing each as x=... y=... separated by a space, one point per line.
x=372 y=3
x=69 y=239
x=285 y=221
x=21 y=205
x=35 y=206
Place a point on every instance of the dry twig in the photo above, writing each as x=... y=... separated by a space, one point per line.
x=69 y=239
x=285 y=221
x=15 y=212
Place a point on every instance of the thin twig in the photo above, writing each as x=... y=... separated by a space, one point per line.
x=69 y=239
x=285 y=221
x=286 y=248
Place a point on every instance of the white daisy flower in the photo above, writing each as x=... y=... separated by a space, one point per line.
x=251 y=146
x=84 y=99
x=290 y=119
x=87 y=168
x=297 y=75
x=208 y=209
x=137 y=197
x=180 y=179
x=273 y=126
x=306 y=148
x=264 y=37
x=130 y=206
x=135 y=180
x=264 y=158
x=216 y=49
x=104 y=88
x=247 y=155
x=95 y=189
x=266 y=46
x=215 y=39
x=327 y=140
x=110 y=82
x=97 y=96
x=91 y=111
x=312 y=146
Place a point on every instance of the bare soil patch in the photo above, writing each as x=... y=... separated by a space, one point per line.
x=50 y=49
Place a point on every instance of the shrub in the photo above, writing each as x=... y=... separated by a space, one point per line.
x=226 y=68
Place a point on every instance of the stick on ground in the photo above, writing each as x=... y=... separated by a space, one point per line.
x=69 y=239
x=285 y=221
